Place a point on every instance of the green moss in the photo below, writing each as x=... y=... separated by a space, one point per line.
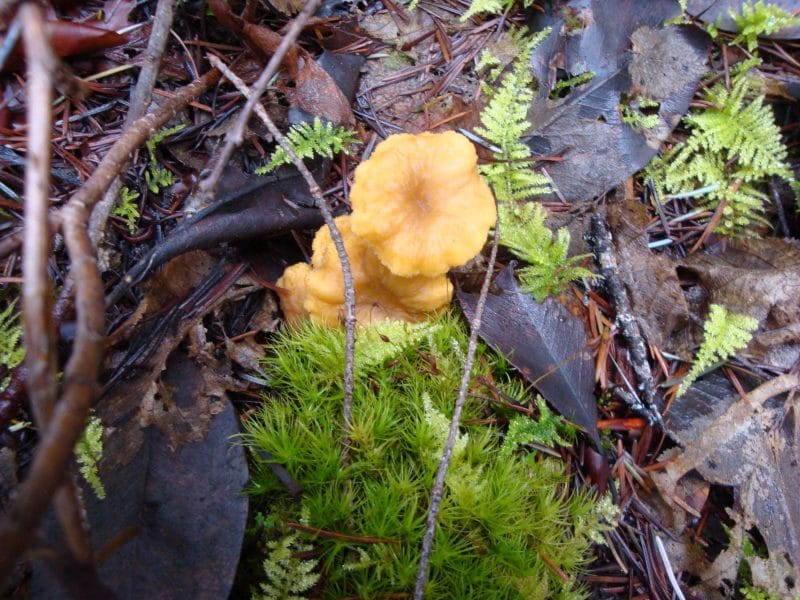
x=500 y=514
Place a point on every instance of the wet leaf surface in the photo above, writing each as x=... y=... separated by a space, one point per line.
x=545 y=343
x=752 y=445
x=632 y=55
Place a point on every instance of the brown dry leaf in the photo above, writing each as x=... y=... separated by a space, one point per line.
x=315 y=91
x=653 y=286
x=759 y=278
x=753 y=445
x=288 y=7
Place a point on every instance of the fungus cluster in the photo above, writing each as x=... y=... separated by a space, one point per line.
x=419 y=208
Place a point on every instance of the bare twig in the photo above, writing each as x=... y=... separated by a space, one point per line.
x=48 y=468
x=599 y=238
x=349 y=291
x=140 y=100
x=37 y=293
x=205 y=189
x=438 y=486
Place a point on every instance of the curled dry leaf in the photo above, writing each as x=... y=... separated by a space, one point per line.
x=315 y=91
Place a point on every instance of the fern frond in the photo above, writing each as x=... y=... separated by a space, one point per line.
x=88 y=452
x=309 y=140
x=760 y=19
x=524 y=232
x=725 y=334
x=127 y=208
x=504 y=123
x=12 y=352
x=288 y=576
x=734 y=144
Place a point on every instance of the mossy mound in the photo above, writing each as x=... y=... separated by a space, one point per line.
x=502 y=518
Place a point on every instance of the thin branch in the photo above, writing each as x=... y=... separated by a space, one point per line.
x=599 y=239
x=37 y=292
x=235 y=136
x=438 y=487
x=48 y=468
x=349 y=290
x=140 y=100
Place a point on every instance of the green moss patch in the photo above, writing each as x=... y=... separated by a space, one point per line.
x=503 y=518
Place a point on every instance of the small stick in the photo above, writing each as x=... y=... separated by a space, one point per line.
x=48 y=468
x=599 y=238
x=37 y=293
x=349 y=291
x=205 y=189
x=140 y=100
x=438 y=487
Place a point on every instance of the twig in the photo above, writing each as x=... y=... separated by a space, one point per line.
x=205 y=189
x=599 y=238
x=37 y=293
x=140 y=100
x=349 y=291
x=438 y=487
x=48 y=468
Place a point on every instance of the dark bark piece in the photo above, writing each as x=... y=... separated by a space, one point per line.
x=631 y=54
x=545 y=343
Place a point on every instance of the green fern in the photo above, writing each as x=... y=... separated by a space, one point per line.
x=523 y=231
x=504 y=123
x=491 y=7
x=88 y=452
x=725 y=334
x=760 y=19
x=733 y=145
x=12 y=352
x=127 y=207
x=310 y=140
x=633 y=115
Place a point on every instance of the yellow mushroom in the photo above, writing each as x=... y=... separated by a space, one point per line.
x=420 y=203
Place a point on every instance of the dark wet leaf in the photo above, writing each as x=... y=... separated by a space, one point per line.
x=545 y=343
x=754 y=446
x=173 y=521
x=632 y=56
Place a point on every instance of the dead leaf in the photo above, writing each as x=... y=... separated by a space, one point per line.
x=753 y=445
x=173 y=520
x=631 y=55
x=759 y=278
x=651 y=280
x=545 y=343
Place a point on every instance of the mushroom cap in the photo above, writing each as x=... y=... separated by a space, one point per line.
x=294 y=292
x=420 y=203
x=380 y=295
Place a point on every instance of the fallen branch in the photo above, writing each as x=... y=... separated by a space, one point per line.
x=438 y=486
x=349 y=290
x=599 y=238
x=48 y=468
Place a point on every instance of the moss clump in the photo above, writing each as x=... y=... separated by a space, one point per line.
x=500 y=515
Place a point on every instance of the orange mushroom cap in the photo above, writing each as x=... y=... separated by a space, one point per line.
x=380 y=295
x=420 y=203
x=294 y=291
